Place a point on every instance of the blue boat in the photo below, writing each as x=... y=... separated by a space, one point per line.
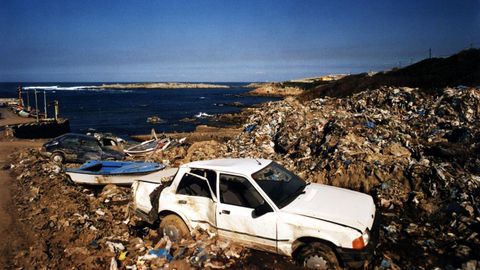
x=100 y=172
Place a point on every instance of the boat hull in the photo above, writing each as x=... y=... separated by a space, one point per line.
x=44 y=129
x=117 y=179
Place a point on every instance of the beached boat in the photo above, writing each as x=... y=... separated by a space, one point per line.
x=23 y=113
x=147 y=147
x=100 y=172
x=49 y=128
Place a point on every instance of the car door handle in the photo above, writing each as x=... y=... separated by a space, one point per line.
x=182 y=201
x=226 y=212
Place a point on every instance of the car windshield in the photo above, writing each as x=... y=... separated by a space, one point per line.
x=281 y=185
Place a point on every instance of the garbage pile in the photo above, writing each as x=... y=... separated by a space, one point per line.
x=418 y=155
x=84 y=227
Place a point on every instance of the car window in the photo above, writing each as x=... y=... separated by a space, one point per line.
x=70 y=142
x=236 y=190
x=90 y=144
x=281 y=185
x=211 y=177
x=193 y=186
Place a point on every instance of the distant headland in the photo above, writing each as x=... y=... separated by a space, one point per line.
x=162 y=85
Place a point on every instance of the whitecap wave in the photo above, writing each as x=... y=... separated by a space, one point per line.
x=62 y=88
x=203 y=115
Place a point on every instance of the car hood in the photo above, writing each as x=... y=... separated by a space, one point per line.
x=336 y=205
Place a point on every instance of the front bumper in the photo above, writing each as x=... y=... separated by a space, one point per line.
x=355 y=258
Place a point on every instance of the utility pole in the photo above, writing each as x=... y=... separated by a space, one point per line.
x=45 y=104
x=36 y=104
x=429 y=53
x=28 y=101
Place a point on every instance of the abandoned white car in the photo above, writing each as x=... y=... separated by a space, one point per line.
x=260 y=204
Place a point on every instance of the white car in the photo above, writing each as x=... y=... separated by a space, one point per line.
x=261 y=205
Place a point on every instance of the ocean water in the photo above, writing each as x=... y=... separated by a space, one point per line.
x=125 y=112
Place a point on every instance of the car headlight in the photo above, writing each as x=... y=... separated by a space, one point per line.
x=361 y=241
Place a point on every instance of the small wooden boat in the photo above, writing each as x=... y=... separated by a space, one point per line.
x=147 y=147
x=23 y=113
x=100 y=172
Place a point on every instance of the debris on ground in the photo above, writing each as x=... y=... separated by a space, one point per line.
x=85 y=227
x=417 y=154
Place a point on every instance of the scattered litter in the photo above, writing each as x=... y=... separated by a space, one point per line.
x=417 y=154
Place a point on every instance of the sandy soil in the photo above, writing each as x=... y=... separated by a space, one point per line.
x=201 y=133
x=14 y=234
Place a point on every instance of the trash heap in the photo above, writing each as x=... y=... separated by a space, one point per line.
x=418 y=155
x=94 y=228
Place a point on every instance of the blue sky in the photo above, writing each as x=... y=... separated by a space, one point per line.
x=224 y=40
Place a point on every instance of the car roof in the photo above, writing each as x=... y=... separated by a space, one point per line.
x=77 y=135
x=246 y=166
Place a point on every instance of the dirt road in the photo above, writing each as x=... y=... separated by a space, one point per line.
x=14 y=235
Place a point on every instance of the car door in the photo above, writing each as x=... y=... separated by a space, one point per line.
x=235 y=219
x=69 y=146
x=90 y=150
x=195 y=198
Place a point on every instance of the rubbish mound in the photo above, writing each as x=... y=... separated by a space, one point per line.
x=417 y=154
x=89 y=227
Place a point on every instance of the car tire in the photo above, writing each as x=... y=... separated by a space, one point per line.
x=316 y=255
x=174 y=227
x=57 y=158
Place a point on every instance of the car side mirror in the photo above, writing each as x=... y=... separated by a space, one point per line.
x=261 y=210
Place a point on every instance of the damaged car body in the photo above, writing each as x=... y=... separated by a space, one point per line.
x=261 y=205
x=79 y=148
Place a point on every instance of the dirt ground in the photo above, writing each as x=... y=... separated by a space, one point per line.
x=15 y=235
x=201 y=133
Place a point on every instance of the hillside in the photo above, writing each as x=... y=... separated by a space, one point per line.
x=462 y=68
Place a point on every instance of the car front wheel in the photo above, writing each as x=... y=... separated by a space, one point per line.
x=57 y=158
x=317 y=256
x=174 y=227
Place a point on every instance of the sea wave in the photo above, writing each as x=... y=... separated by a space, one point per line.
x=60 y=88
x=202 y=115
